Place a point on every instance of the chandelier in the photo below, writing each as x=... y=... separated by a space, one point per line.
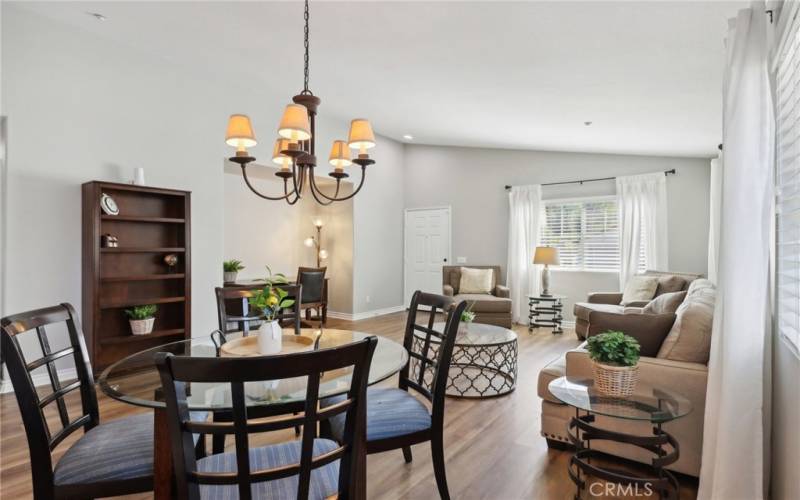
x=295 y=148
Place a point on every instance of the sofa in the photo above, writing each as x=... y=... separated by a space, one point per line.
x=675 y=351
x=492 y=308
x=610 y=302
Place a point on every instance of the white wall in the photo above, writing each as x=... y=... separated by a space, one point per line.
x=471 y=180
x=785 y=417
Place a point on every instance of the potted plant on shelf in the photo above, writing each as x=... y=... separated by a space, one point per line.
x=271 y=300
x=231 y=270
x=142 y=318
x=615 y=357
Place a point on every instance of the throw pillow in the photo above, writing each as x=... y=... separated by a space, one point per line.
x=649 y=330
x=690 y=337
x=639 y=288
x=665 y=303
x=475 y=280
x=670 y=283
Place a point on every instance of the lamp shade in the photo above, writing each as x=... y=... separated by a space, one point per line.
x=295 y=124
x=340 y=155
x=361 y=135
x=309 y=242
x=278 y=157
x=240 y=132
x=546 y=255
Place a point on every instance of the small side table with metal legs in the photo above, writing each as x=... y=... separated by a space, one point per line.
x=545 y=311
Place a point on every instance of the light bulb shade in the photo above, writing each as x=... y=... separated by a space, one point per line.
x=240 y=132
x=323 y=254
x=546 y=255
x=318 y=220
x=361 y=135
x=277 y=156
x=340 y=155
x=309 y=242
x=295 y=124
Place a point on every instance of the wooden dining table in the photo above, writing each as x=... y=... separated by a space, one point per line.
x=135 y=380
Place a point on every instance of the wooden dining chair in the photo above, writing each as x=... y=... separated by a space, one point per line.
x=244 y=317
x=313 y=281
x=397 y=419
x=306 y=468
x=114 y=458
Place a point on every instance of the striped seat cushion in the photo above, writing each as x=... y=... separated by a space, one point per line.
x=114 y=451
x=117 y=450
x=390 y=413
x=324 y=480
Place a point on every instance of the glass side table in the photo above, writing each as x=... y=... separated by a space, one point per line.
x=650 y=404
x=545 y=311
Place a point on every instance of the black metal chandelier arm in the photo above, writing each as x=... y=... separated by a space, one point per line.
x=317 y=191
x=254 y=190
x=356 y=190
x=289 y=199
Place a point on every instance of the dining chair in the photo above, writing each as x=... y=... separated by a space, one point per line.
x=310 y=467
x=114 y=458
x=313 y=281
x=395 y=417
x=245 y=318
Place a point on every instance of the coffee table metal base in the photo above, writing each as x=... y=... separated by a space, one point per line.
x=655 y=479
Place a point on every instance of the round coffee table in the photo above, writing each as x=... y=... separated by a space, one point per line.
x=651 y=404
x=484 y=362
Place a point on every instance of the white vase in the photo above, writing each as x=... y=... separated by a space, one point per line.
x=138 y=176
x=229 y=276
x=270 y=335
x=142 y=326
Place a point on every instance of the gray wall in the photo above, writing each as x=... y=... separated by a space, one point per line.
x=471 y=181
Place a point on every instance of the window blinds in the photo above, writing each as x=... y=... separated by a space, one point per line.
x=787 y=110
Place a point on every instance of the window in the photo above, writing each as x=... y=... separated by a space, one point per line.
x=586 y=233
x=787 y=111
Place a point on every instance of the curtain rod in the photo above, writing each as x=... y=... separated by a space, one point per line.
x=666 y=172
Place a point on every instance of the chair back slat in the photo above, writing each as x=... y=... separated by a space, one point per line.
x=248 y=318
x=178 y=371
x=41 y=438
x=423 y=358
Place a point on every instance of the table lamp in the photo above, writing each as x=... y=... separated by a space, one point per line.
x=547 y=256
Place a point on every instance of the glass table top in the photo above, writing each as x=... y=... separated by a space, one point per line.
x=475 y=334
x=135 y=379
x=648 y=403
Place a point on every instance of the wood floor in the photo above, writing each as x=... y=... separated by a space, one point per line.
x=493 y=448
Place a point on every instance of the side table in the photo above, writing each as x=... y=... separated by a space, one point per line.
x=545 y=311
x=651 y=404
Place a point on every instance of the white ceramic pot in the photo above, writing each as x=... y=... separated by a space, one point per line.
x=229 y=277
x=142 y=326
x=270 y=335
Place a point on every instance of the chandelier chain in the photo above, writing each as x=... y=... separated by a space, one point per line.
x=306 y=16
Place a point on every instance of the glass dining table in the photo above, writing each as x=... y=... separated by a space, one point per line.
x=135 y=380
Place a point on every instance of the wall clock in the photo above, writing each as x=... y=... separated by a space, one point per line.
x=108 y=205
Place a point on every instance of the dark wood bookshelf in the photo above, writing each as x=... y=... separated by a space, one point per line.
x=152 y=223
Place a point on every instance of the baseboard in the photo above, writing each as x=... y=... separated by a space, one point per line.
x=365 y=314
x=40 y=379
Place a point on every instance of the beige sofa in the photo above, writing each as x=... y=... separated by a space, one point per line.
x=493 y=309
x=688 y=378
x=609 y=302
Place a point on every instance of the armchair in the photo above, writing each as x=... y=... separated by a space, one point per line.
x=493 y=309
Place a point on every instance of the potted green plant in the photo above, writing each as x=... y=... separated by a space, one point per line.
x=231 y=270
x=270 y=301
x=468 y=315
x=142 y=318
x=615 y=357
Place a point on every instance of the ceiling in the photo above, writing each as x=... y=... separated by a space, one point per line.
x=519 y=75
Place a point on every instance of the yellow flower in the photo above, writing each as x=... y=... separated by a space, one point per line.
x=272 y=300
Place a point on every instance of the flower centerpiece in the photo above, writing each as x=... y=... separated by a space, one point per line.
x=468 y=315
x=230 y=270
x=142 y=318
x=270 y=301
x=615 y=357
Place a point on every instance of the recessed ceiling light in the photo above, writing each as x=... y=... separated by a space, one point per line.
x=408 y=137
x=97 y=15
x=587 y=123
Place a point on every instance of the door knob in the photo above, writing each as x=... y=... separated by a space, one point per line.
x=445 y=260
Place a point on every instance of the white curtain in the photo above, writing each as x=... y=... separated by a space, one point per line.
x=736 y=437
x=525 y=204
x=714 y=209
x=642 y=203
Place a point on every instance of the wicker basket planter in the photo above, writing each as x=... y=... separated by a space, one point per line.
x=142 y=326
x=615 y=380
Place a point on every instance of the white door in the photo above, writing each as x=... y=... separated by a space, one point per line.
x=427 y=249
